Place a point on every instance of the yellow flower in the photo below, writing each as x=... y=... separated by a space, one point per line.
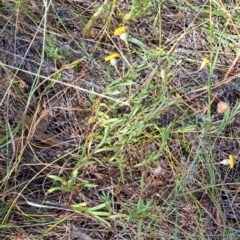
x=122 y=33
x=231 y=161
x=112 y=56
x=120 y=30
x=163 y=74
x=112 y=59
x=204 y=63
x=206 y=60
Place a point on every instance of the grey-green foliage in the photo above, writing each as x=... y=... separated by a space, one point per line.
x=52 y=50
x=140 y=8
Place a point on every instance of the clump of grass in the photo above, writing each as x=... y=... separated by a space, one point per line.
x=142 y=139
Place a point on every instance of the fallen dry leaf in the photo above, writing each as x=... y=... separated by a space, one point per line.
x=39 y=131
x=93 y=33
x=222 y=107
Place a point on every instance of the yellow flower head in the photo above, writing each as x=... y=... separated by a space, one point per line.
x=120 y=30
x=206 y=60
x=231 y=161
x=112 y=59
x=204 y=63
x=112 y=56
x=163 y=74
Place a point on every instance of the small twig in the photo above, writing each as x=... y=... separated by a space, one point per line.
x=66 y=84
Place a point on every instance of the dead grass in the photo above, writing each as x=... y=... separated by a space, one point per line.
x=91 y=152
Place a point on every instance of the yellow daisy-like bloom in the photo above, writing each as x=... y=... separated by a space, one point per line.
x=112 y=56
x=120 y=30
x=206 y=60
x=231 y=161
x=204 y=63
x=112 y=59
